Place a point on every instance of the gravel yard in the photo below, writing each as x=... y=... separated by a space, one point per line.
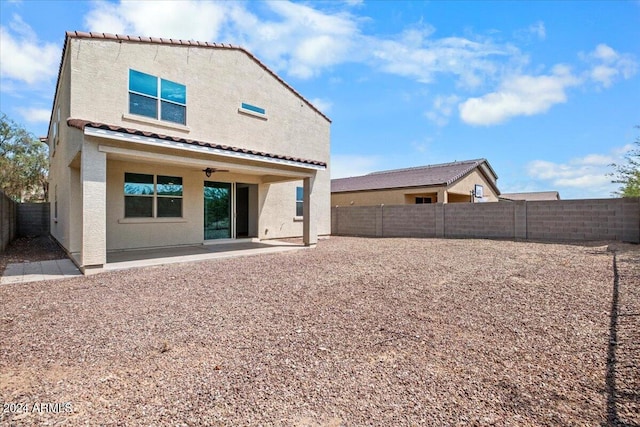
x=355 y=332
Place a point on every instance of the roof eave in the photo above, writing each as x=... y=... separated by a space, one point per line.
x=443 y=184
x=134 y=135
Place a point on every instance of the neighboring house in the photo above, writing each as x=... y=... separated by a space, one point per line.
x=533 y=196
x=158 y=142
x=464 y=181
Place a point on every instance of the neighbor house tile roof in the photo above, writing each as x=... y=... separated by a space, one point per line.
x=422 y=176
x=81 y=124
x=532 y=196
x=159 y=40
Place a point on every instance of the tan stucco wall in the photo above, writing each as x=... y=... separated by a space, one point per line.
x=387 y=197
x=458 y=192
x=273 y=200
x=60 y=154
x=93 y=174
x=464 y=186
x=217 y=81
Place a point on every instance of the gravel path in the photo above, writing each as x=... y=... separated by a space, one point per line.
x=355 y=332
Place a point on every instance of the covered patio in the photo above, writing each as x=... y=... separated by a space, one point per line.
x=40 y=270
x=246 y=195
x=121 y=260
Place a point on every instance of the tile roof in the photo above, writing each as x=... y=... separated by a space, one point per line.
x=81 y=124
x=532 y=196
x=160 y=40
x=421 y=176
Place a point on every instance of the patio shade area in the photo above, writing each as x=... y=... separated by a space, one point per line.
x=119 y=260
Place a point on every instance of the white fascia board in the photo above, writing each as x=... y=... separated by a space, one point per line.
x=157 y=142
x=200 y=163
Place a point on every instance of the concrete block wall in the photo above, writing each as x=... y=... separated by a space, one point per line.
x=631 y=220
x=32 y=219
x=356 y=220
x=491 y=220
x=409 y=220
x=7 y=221
x=580 y=220
x=560 y=220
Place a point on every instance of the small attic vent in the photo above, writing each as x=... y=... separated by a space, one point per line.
x=253 y=108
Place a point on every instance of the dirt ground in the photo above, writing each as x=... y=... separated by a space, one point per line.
x=30 y=249
x=354 y=332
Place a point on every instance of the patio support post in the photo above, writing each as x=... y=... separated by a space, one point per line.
x=443 y=195
x=310 y=213
x=93 y=176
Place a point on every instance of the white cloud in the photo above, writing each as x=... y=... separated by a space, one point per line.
x=533 y=31
x=416 y=55
x=35 y=115
x=583 y=176
x=24 y=58
x=539 y=30
x=596 y=160
x=607 y=65
x=159 y=19
x=605 y=53
x=519 y=95
x=443 y=107
x=621 y=151
x=298 y=39
x=304 y=41
x=343 y=166
x=422 y=146
x=321 y=104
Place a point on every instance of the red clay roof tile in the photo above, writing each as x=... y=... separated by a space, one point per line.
x=421 y=176
x=81 y=124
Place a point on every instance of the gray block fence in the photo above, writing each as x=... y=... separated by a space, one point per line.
x=33 y=219
x=558 y=220
x=8 y=214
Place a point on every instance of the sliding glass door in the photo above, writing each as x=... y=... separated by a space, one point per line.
x=217 y=210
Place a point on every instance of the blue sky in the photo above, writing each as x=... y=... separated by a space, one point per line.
x=547 y=91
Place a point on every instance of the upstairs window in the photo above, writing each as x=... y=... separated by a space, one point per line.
x=157 y=98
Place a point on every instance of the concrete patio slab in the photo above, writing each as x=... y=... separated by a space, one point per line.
x=41 y=270
x=121 y=260
x=150 y=257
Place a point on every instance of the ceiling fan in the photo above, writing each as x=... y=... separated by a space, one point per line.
x=209 y=171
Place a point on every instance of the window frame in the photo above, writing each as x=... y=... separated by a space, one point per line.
x=55 y=203
x=299 y=202
x=155 y=196
x=55 y=132
x=159 y=98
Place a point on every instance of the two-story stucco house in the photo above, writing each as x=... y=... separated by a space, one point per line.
x=157 y=142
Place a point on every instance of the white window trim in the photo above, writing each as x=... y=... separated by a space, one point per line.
x=252 y=113
x=299 y=217
x=155 y=122
x=155 y=220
